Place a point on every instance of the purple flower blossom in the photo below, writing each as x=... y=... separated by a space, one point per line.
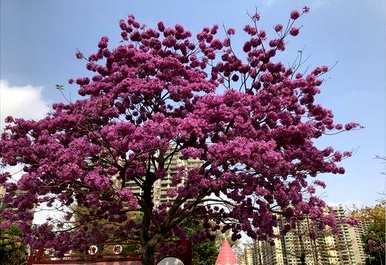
x=295 y=15
x=278 y=27
x=79 y=55
x=294 y=31
x=231 y=31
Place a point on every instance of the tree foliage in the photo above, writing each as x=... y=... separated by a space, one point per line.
x=12 y=249
x=204 y=253
x=373 y=219
x=250 y=120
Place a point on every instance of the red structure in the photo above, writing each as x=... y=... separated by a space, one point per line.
x=40 y=259
x=226 y=255
x=182 y=250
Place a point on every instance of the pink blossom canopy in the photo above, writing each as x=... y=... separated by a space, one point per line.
x=248 y=118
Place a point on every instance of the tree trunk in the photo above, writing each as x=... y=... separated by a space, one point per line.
x=302 y=250
x=147 y=208
x=148 y=255
x=303 y=259
x=283 y=244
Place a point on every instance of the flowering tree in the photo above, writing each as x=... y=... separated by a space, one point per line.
x=251 y=121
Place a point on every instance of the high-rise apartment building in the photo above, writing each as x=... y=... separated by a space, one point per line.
x=247 y=257
x=161 y=186
x=348 y=241
x=298 y=247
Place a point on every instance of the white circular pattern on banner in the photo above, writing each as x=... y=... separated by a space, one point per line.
x=117 y=249
x=170 y=261
x=92 y=250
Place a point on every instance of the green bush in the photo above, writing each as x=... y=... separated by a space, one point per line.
x=12 y=250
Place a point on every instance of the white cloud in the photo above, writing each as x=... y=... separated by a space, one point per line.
x=21 y=101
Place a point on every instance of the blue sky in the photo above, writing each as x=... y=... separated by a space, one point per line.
x=39 y=39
